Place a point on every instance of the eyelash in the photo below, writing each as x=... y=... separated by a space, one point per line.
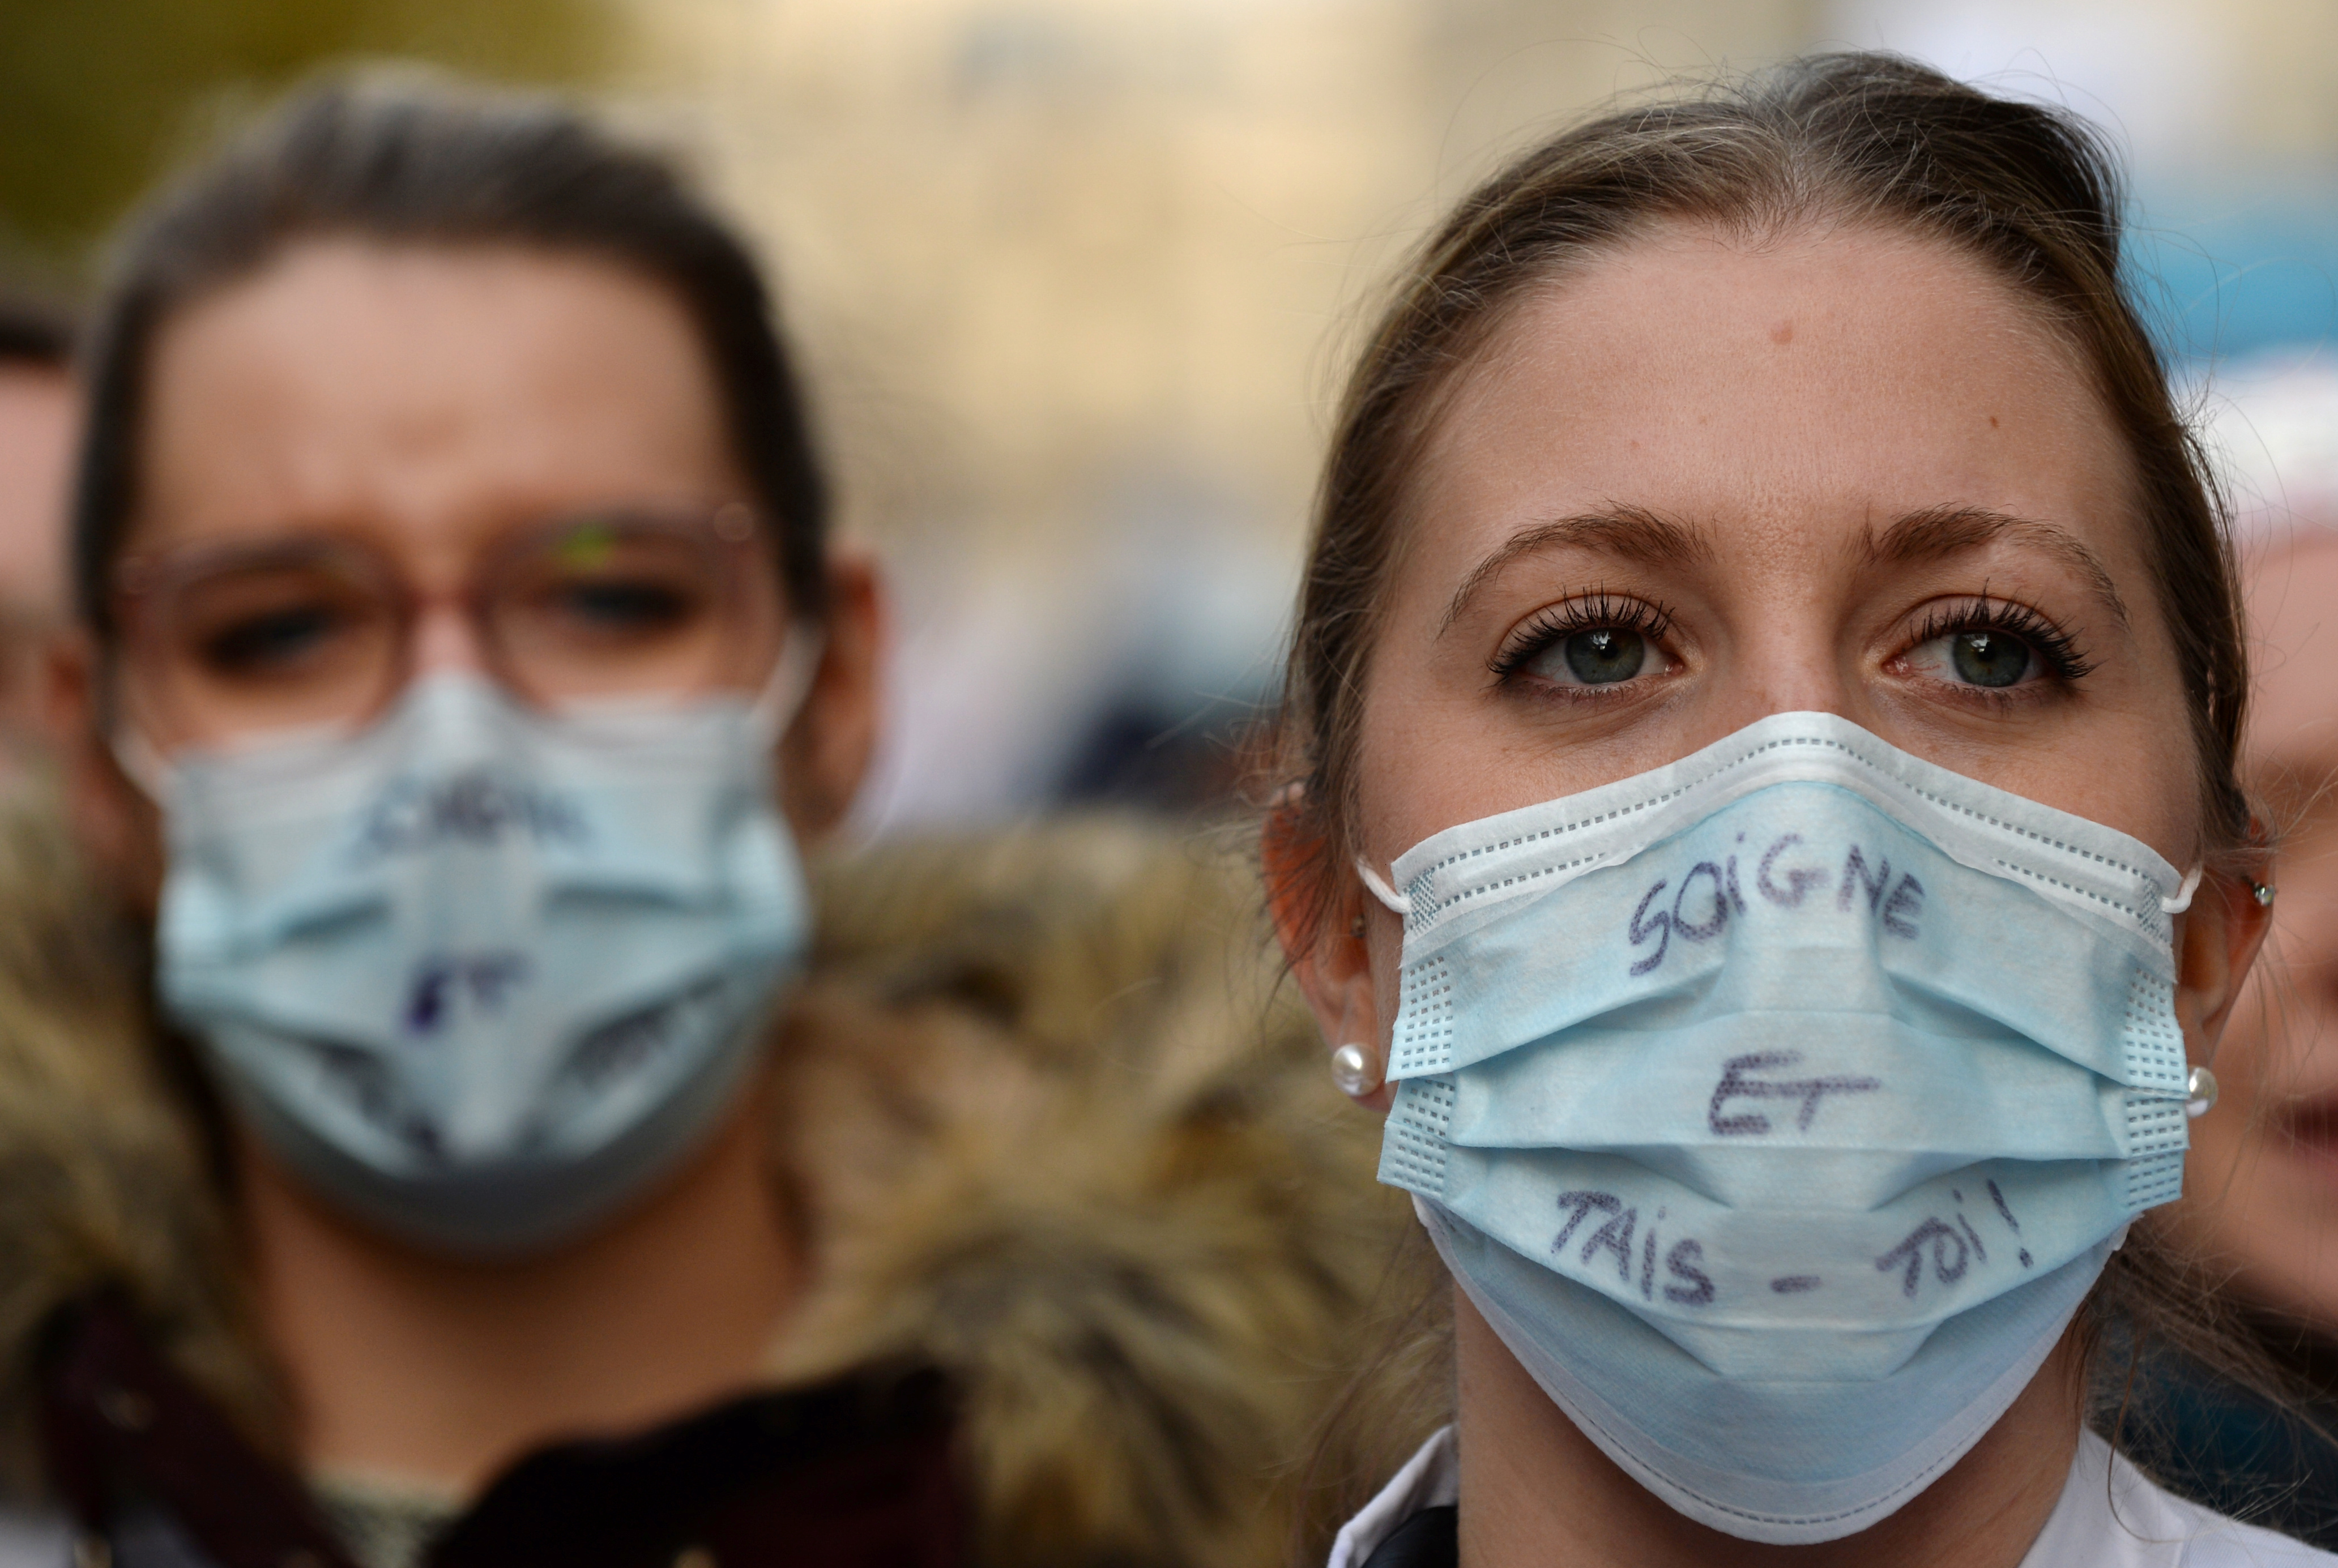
x=2063 y=656
x=1594 y=612
x=2064 y=659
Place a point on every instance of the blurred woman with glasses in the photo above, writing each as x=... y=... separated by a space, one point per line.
x=468 y=665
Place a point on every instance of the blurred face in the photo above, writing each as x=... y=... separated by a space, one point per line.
x=37 y=419
x=366 y=464
x=2262 y=1182
x=1699 y=484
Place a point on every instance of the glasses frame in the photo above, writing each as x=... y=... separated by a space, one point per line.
x=744 y=547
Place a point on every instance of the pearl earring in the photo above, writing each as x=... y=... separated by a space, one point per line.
x=2263 y=892
x=1355 y=1070
x=2199 y=1092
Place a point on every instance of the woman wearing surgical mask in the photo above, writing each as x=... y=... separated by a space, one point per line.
x=1764 y=828
x=467 y=668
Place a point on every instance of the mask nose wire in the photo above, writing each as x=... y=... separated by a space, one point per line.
x=1381 y=888
x=2183 y=899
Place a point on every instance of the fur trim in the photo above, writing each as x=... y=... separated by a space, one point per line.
x=102 y=1179
x=1123 y=1204
x=1048 y=1117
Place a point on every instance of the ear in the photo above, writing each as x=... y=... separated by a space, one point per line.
x=1327 y=924
x=826 y=751
x=2217 y=940
x=115 y=826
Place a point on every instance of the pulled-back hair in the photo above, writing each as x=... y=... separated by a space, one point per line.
x=1859 y=139
x=407 y=158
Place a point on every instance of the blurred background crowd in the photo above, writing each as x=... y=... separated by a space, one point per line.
x=1073 y=276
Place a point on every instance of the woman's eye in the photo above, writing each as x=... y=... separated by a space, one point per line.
x=624 y=607
x=271 y=641
x=1598 y=656
x=1982 y=656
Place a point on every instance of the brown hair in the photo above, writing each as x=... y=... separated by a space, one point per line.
x=1862 y=139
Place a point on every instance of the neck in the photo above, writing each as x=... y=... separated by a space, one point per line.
x=440 y=1371
x=1531 y=1482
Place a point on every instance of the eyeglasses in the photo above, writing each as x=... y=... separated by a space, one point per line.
x=224 y=641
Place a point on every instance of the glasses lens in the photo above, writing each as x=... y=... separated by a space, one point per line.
x=628 y=607
x=272 y=640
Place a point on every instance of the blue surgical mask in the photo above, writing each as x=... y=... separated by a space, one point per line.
x=1779 y=1107
x=479 y=975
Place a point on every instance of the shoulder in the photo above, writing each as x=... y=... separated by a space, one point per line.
x=2111 y=1515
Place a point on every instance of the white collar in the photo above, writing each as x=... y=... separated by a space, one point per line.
x=1431 y=1478
x=2109 y=1515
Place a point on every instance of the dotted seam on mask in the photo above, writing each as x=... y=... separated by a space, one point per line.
x=1414 y=1148
x=2155 y=1124
x=2154 y=1040
x=2154 y=1180
x=1424 y=1030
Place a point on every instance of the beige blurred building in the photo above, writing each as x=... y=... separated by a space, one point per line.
x=1056 y=245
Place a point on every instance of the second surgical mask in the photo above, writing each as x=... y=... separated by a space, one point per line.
x=480 y=975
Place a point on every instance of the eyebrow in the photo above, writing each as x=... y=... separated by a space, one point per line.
x=1938 y=532
x=1636 y=533
x=1628 y=533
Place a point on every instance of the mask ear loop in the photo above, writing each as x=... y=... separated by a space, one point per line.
x=132 y=752
x=2199 y=1083
x=139 y=762
x=1356 y=1067
x=2183 y=899
x=1380 y=889
x=782 y=696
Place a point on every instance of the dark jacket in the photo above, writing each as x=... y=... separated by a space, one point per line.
x=2212 y=1442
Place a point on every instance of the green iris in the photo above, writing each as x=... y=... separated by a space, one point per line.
x=1988 y=658
x=1605 y=656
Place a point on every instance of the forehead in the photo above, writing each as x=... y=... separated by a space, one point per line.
x=1831 y=380
x=37 y=420
x=348 y=381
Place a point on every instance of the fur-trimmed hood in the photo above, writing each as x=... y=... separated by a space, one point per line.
x=1051 y=1122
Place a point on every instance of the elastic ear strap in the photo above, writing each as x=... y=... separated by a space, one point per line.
x=783 y=696
x=2183 y=899
x=1380 y=889
x=139 y=762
